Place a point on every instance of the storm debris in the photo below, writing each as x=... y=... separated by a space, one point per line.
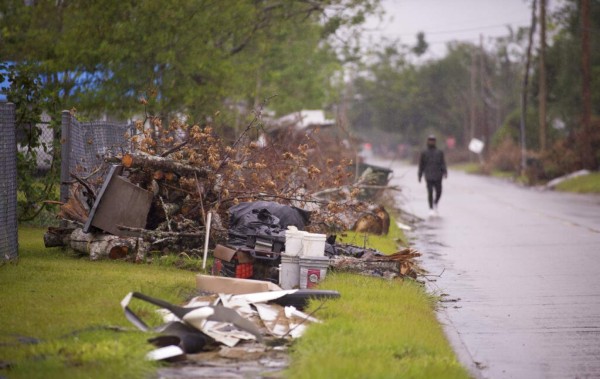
x=161 y=192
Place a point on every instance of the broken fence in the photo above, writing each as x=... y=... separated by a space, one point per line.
x=85 y=144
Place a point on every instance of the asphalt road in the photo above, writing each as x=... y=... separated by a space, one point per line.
x=524 y=265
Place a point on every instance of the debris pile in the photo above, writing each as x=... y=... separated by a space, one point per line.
x=373 y=263
x=158 y=197
x=225 y=320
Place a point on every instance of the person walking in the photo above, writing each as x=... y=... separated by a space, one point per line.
x=433 y=165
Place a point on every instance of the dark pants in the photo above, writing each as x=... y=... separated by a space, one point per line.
x=431 y=185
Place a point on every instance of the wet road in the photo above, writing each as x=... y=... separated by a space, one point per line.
x=525 y=265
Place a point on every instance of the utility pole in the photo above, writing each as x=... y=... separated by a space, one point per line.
x=542 y=95
x=524 y=88
x=472 y=108
x=588 y=159
x=484 y=121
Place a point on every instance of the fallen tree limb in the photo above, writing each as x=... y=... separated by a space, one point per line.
x=387 y=266
x=175 y=148
x=57 y=237
x=99 y=245
x=384 y=269
x=153 y=163
x=152 y=235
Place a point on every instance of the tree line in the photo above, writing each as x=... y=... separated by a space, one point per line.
x=476 y=91
x=193 y=57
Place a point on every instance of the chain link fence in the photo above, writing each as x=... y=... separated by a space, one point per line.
x=86 y=144
x=8 y=183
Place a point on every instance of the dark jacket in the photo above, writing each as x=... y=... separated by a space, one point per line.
x=432 y=164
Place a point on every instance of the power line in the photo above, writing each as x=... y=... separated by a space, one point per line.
x=438 y=32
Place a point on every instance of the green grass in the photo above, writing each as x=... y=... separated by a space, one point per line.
x=378 y=329
x=469 y=168
x=48 y=295
x=503 y=174
x=582 y=184
x=386 y=244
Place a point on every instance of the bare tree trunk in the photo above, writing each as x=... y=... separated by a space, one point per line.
x=472 y=108
x=542 y=84
x=586 y=81
x=525 y=86
x=484 y=120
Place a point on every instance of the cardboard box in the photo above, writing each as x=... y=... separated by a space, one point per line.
x=218 y=284
x=226 y=253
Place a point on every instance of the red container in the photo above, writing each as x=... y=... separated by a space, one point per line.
x=233 y=269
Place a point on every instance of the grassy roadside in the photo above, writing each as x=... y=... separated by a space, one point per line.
x=469 y=168
x=386 y=244
x=581 y=184
x=378 y=329
x=477 y=169
x=54 y=310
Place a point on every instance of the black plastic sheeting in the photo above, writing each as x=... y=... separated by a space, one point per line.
x=282 y=215
x=263 y=218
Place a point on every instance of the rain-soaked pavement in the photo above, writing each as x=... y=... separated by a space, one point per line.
x=525 y=266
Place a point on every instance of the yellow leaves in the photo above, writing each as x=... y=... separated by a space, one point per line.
x=235 y=166
x=270 y=184
x=303 y=150
x=313 y=172
x=156 y=122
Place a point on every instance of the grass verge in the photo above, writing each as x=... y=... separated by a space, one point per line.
x=581 y=184
x=386 y=244
x=469 y=168
x=377 y=329
x=54 y=310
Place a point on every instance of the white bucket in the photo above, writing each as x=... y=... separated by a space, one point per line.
x=289 y=272
x=312 y=271
x=293 y=242
x=313 y=245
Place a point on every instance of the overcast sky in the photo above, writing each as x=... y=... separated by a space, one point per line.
x=447 y=20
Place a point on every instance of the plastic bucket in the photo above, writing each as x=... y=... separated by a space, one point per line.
x=313 y=245
x=293 y=242
x=312 y=271
x=289 y=272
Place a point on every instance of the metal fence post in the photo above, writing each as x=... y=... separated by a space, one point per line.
x=9 y=243
x=65 y=155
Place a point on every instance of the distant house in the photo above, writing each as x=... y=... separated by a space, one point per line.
x=303 y=120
